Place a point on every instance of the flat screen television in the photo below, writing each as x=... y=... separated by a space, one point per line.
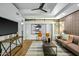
x=7 y=26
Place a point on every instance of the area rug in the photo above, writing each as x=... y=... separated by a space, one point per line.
x=37 y=50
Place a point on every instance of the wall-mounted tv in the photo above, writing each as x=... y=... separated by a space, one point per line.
x=7 y=26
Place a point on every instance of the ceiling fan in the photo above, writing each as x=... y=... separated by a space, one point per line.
x=40 y=7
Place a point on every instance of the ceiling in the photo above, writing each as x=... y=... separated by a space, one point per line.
x=54 y=10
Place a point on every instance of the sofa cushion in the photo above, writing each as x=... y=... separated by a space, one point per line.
x=73 y=47
x=66 y=42
x=70 y=39
x=75 y=40
x=60 y=40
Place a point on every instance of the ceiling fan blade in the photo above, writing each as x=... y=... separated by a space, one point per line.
x=41 y=5
x=35 y=9
x=43 y=10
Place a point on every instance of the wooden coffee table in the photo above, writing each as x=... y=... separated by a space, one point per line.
x=51 y=45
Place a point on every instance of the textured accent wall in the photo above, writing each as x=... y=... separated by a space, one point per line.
x=71 y=24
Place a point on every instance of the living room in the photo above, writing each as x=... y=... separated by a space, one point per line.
x=31 y=28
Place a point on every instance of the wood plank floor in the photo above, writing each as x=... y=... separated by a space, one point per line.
x=23 y=50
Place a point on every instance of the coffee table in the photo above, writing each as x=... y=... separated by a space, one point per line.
x=51 y=45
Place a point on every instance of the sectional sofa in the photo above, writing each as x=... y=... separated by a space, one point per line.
x=72 y=44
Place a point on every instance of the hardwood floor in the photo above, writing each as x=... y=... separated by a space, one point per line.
x=23 y=50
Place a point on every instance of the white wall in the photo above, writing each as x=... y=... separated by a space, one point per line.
x=28 y=31
x=19 y=28
x=48 y=28
x=24 y=30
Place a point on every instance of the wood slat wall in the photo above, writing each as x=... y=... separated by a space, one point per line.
x=71 y=23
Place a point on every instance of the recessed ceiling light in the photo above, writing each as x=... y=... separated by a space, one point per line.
x=22 y=23
x=77 y=4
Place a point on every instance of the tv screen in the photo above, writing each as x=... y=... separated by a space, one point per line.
x=7 y=27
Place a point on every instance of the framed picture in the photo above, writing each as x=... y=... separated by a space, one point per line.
x=35 y=28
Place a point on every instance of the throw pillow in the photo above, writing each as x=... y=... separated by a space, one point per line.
x=65 y=36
